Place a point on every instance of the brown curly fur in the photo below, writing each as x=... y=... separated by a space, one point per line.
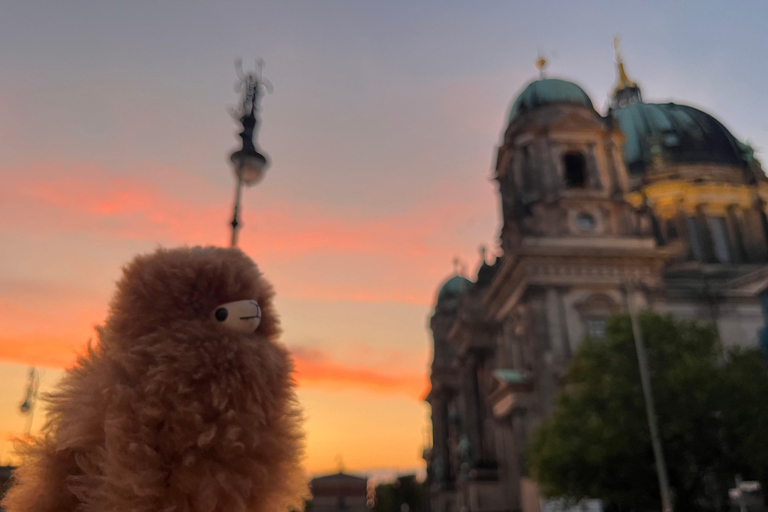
x=171 y=411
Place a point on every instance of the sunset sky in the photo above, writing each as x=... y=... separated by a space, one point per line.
x=382 y=127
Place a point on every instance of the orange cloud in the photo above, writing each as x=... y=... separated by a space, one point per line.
x=46 y=323
x=315 y=369
x=50 y=342
x=46 y=351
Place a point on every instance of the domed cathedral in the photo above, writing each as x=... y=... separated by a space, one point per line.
x=656 y=204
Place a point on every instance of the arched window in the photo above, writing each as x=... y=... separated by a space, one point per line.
x=575 y=166
x=697 y=246
x=737 y=236
x=671 y=229
x=720 y=239
x=596 y=327
x=595 y=311
x=526 y=170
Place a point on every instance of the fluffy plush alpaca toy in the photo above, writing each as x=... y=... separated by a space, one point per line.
x=186 y=403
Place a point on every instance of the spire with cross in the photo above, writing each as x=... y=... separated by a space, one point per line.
x=541 y=64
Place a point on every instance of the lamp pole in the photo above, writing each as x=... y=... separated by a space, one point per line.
x=236 y=213
x=650 y=407
x=249 y=164
x=30 y=400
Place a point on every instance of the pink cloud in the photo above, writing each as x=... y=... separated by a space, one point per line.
x=413 y=246
x=83 y=197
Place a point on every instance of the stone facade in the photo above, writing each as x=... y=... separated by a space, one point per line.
x=684 y=221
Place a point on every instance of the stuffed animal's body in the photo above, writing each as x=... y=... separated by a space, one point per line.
x=175 y=408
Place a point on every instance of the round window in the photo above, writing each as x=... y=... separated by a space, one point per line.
x=585 y=221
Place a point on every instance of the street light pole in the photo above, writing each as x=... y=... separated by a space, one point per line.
x=30 y=400
x=650 y=407
x=249 y=164
x=235 y=222
x=742 y=504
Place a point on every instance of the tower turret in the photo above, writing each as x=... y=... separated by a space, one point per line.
x=625 y=92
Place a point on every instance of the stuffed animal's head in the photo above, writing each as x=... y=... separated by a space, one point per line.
x=215 y=289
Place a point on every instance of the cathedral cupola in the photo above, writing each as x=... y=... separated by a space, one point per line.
x=449 y=294
x=548 y=91
x=560 y=169
x=625 y=92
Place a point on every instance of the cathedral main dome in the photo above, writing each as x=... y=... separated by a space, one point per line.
x=680 y=133
x=548 y=91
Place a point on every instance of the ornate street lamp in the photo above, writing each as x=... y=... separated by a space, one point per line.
x=248 y=163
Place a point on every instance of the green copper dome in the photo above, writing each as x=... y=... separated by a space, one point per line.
x=679 y=133
x=548 y=91
x=452 y=288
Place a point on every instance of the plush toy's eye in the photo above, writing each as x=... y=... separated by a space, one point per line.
x=240 y=316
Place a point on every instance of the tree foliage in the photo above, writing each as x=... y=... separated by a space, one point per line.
x=712 y=409
x=405 y=490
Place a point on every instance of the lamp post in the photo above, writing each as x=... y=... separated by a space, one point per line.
x=30 y=400
x=248 y=163
x=650 y=407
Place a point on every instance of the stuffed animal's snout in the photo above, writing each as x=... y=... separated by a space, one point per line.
x=241 y=316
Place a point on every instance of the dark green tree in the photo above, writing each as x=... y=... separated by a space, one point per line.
x=745 y=414
x=405 y=490
x=712 y=410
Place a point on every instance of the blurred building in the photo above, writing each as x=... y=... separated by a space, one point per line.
x=339 y=492
x=659 y=194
